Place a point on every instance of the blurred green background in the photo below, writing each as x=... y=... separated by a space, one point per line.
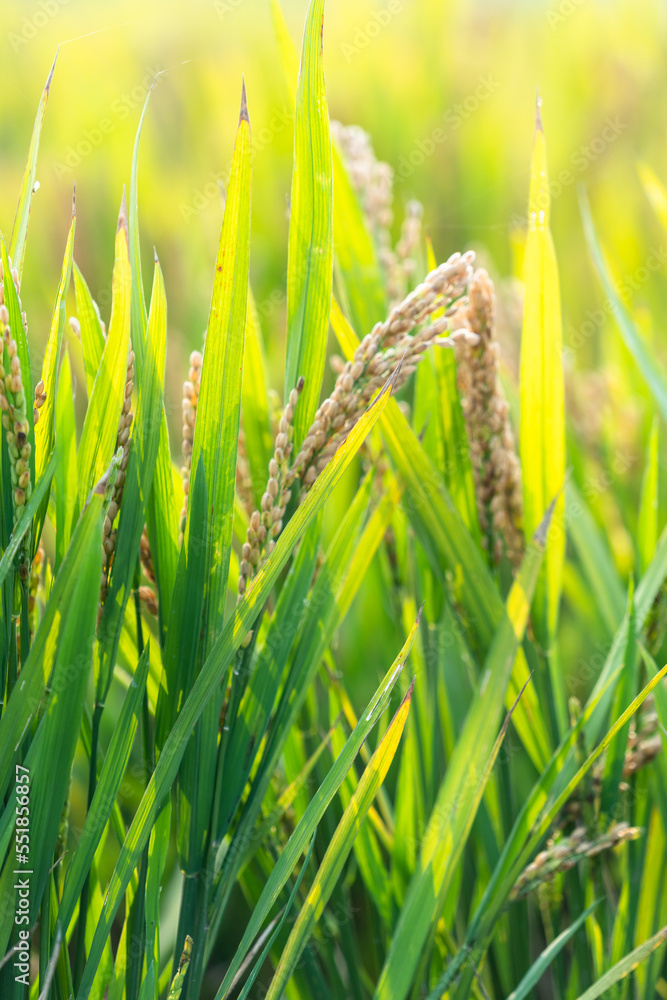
x=446 y=89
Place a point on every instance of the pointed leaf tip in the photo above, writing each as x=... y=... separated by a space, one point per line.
x=122 y=215
x=419 y=613
x=510 y=712
x=243 y=116
x=542 y=530
x=538 y=113
x=407 y=698
x=387 y=387
x=51 y=72
x=159 y=73
x=391 y=381
x=155 y=258
x=422 y=433
x=408 y=694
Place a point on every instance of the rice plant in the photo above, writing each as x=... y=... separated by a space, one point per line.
x=196 y=803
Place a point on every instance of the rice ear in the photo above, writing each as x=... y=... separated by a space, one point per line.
x=496 y=468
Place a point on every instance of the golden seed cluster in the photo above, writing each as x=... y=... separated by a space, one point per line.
x=147 y=594
x=643 y=746
x=563 y=853
x=655 y=627
x=496 y=468
x=36 y=568
x=146 y=556
x=243 y=474
x=190 y=401
x=38 y=402
x=389 y=343
x=373 y=181
x=148 y=598
x=122 y=441
x=644 y=743
x=13 y=404
x=266 y=523
x=400 y=267
x=379 y=353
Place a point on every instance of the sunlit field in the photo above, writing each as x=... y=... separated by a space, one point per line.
x=332 y=500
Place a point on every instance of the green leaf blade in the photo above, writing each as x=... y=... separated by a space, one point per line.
x=310 y=254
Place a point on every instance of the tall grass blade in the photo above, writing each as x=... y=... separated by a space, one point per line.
x=449 y=421
x=315 y=811
x=217 y=428
x=100 y=427
x=24 y=702
x=448 y=544
x=462 y=788
x=138 y=485
x=288 y=56
x=648 y=365
x=542 y=388
x=37 y=497
x=552 y=790
x=645 y=595
x=625 y=966
x=279 y=925
x=51 y=753
x=90 y=323
x=15 y=309
x=45 y=429
x=209 y=679
x=66 y=461
x=111 y=776
x=655 y=192
x=310 y=255
x=625 y=690
x=647 y=521
x=339 y=849
x=254 y=403
x=161 y=510
x=250 y=726
x=20 y=230
x=596 y=560
x=541 y=964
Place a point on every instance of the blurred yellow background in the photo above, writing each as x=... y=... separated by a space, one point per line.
x=447 y=90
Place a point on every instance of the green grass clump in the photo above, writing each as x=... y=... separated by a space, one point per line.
x=196 y=800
